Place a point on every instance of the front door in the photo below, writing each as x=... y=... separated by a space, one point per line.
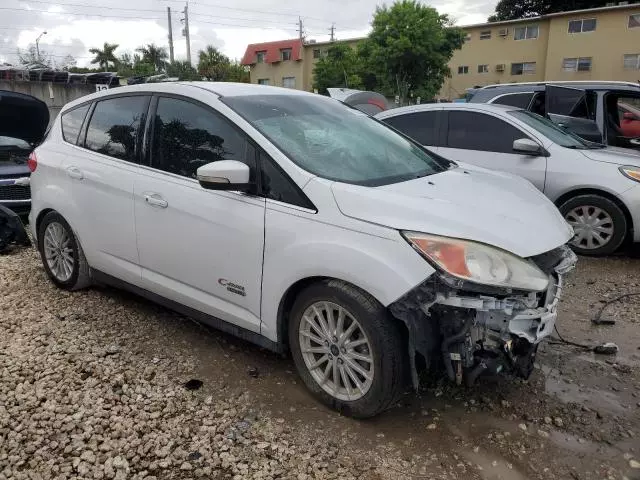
x=198 y=247
x=102 y=169
x=487 y=141
x=573 y=109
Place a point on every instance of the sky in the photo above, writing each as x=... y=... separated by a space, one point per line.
x=75 y=26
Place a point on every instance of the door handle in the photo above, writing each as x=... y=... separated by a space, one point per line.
x=75 y=172
x=155 y=200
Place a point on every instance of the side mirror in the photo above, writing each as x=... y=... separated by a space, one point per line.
x=528 y=147
x=629 y=116
x=224 y=175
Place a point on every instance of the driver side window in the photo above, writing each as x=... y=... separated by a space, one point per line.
x=187 y=136
x=482 y=132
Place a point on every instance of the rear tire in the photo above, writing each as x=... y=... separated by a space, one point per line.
x=362 y=345
x=599 y=223
x=61 y=253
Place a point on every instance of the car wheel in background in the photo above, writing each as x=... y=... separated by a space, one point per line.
x=61 y=253
x=600 y=225
x=346 y=348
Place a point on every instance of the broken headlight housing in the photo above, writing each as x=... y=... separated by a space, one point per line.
x=479 y=263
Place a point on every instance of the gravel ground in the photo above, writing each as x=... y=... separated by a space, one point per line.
x=101 y=384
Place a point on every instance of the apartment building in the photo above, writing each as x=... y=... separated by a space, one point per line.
x=594 y=44
x=287 y=63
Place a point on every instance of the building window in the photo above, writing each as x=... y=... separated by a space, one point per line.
x=526 y=68
x=317 y=53
x=526 y=33
x=580 y=64
x=634 y=21
x=463 y=70
x=632 y=62
x=260 y=57
x=285 y=54
x=582 y=26
x=483 y=68
x=263 y=81
x=485 y=35
x=289 y=82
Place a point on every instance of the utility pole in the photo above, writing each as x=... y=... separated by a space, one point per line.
x=185 y=31
x=170 y=34
x=333 y=32
x=301 y=29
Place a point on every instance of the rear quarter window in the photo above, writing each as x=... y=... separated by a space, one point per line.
x=71 y=122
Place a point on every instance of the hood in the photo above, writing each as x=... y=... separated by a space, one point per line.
x=22 y=116
x=615 y=155
x=492 y=208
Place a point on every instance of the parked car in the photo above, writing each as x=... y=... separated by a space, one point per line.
x=589 y=108
x=594 y=186
x=23 y=122
x=300 y=224
x=367 y=102
x=629 y=119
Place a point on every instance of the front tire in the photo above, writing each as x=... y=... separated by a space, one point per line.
x=347 y=349
x=61 y=253
x=599 y=223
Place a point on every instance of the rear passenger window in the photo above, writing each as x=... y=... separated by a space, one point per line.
x=187 y=136
x=115 y=126
x=419 y=126
x=519 y=100
x=72 y=123
x=479 y=131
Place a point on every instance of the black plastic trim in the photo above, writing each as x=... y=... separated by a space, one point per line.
x=218 y=324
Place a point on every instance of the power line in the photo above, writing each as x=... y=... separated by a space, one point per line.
x=78 y=14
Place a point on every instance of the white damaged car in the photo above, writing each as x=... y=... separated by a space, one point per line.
x=302 y=225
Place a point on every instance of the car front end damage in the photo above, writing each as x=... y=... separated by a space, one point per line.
x=474 y=329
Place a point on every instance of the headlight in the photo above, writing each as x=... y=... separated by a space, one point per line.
x=631 y=172
x=479 y=263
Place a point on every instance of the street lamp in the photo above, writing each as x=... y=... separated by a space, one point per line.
x=37 y=40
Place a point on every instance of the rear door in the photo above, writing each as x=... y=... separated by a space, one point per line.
x=102 y=169
x=423 y=126
x=485 y=140
x=573 y=109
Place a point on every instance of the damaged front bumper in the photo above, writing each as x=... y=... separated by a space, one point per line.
x=474 y=329
x=12 y=231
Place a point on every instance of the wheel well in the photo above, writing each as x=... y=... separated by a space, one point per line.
x=40 y=217
x=286 y=303
x=594 y=191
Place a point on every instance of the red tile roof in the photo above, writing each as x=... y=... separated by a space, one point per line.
x=273 y=51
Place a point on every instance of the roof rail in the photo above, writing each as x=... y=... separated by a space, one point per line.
x=563 y=82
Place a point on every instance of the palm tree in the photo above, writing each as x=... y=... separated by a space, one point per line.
x=154 y=55
x=105 y=56
x=213 y=64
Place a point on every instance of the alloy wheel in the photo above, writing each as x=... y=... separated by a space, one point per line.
x=58 y=251
x=336 y=351
x=593 y=227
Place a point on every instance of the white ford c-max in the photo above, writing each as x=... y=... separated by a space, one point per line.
x=302 y=225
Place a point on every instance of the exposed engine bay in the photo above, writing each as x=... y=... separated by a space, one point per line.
x=474 y=329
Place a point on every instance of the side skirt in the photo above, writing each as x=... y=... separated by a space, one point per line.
x=218 y=324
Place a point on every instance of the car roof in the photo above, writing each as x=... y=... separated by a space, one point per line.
x=474 y=107
x=220 y=89
x=539 y=86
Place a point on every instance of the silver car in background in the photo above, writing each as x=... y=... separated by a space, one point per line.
x=597 y=188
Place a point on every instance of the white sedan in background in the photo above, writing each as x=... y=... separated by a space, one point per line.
x=595 y=187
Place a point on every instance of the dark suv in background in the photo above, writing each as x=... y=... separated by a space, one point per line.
x=602 y=112
x=23 y=122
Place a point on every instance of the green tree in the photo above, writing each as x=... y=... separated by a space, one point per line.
x=514 y=9
x=213 y=64
x=154 y=55
x=409 y=48
x=105 y=56
x=183 y=70
x=339 y=68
